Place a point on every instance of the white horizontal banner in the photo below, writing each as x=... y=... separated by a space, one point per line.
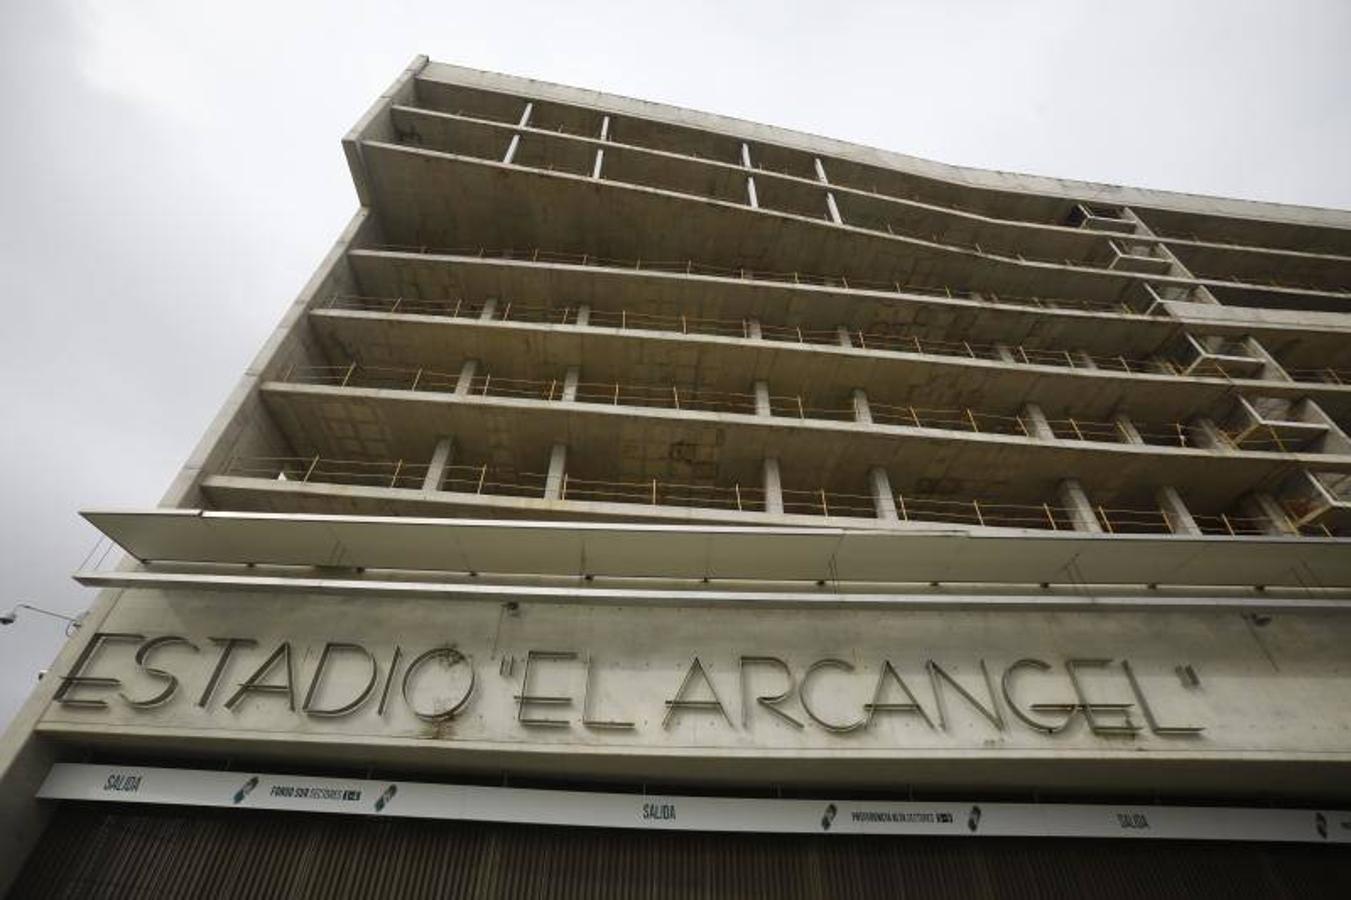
x=190 y=787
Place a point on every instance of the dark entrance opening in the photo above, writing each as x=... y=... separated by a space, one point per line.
x=105 y=850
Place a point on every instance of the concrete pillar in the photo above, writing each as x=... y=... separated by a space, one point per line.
x=1083 y=361
x=762 y=405
x=884 y=500
x=436 y=470
x=842 y=335
x=1034 y=420
x=1179 y=517
x=831 y=207
x=1207 y=435
x=751 y=197
x=600 y=152
x=1005 y=353
x=1129 y=433
x=489 y=309
x=1077 y=505
x=553 y=482
x=773 y=487
x=570 y=380
x=466 y=379
x=583 y=315
x=863 y=414
x=1274 y=519
x=753 y=331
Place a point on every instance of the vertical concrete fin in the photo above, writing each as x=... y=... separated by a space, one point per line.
x=570 y=380
x=1074 y=500
x=1179 y=517
x=773 y=487
x=884 y=499
x=863 y=413
x=466 y=379
x=1036 y=423
x=762 y=404
x=555 y=481
x=436 y=470
x=1129 y=433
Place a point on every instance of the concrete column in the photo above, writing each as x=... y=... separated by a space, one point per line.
x=1265 y=507
x=884 y=500
x=436 y=470
x=753 y=331
x=1034 y=420
x=863 y=414
x=842 y=335
x=1076 y=503
x=773 y=487
x=489 y=309
x=1207 y=435
x=1271 y=369
x=1005 y=352
x=570 y=380
x=583 y=315
x=762 y=404
x=1083 y=360
x=553 y=482
x=831 y=207
x=751 y=197
x=466 y=379
x=1129 y=433
x=1179 y=517
x=600 y=152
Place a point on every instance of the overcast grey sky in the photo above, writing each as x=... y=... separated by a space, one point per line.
x=172 y=172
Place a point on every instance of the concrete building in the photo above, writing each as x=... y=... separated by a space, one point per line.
x=620 y=460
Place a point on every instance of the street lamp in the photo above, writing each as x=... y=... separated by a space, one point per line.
x=72 y=622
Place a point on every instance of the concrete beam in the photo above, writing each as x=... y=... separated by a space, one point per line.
x=466 y=379
x=884 y=499
x=553 y=482
x=762 y=404
x=570 y=380
x=1179 y=518
x=1036 y=423
x=1079 y=508
x=863 y=413
x=773 y=484
x=436 y=471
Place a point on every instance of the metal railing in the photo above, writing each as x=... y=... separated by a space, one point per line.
x=673 y=397
x=855 y=192
x=821 y=501
x=690 y=267
x=876 y=338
